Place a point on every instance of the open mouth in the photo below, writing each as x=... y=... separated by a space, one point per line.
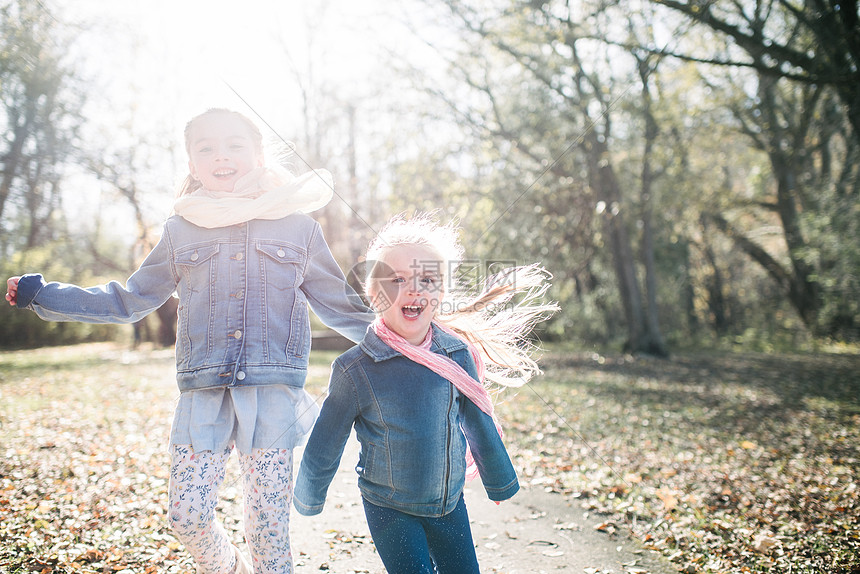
x=224 y=173
x=412 y=311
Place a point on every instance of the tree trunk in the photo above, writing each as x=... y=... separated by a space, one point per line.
x=640 y=336
x=784 y=148
x=652 y=314
x=715 y=287
x=689 y=293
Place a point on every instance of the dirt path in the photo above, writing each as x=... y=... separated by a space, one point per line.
x=535 y=532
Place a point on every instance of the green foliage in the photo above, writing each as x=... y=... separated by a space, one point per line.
x=834 y=251
x=39 y=117
x=545 y=70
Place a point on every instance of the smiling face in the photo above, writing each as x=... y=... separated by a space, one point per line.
x=406 y=288
x=222 y=148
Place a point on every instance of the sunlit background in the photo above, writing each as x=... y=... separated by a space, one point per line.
x=681 y=187
x=152 y=66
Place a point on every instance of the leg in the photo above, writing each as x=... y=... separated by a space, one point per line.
x=195 y=479
x=399 y=539
x=268 y=484
x=450 y=541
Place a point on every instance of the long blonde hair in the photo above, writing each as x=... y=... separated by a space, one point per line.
x=189 y=184
x=498 y=320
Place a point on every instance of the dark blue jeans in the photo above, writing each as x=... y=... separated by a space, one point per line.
x=411 y=544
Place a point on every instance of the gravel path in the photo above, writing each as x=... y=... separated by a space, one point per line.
x=534 y=532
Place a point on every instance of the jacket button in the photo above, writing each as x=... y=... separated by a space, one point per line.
x=240 y=375
x=237 y=334
x=195 y=256
x=239 y=256
x=281 y=253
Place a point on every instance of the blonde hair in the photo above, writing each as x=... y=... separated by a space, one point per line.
x=189 y=184
x=498 y=320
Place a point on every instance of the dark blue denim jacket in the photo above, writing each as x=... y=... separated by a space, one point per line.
x=243 y=295
x=412 y=425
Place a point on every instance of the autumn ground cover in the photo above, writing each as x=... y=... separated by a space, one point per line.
x=722 y=462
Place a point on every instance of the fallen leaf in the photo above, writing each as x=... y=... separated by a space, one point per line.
x=605 y=527
x=763 y=543
x=669 y=499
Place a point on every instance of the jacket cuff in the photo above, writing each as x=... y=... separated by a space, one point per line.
x=306 y=510
x=28 y=287
x=504 y=493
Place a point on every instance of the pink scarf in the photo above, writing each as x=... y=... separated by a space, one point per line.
x=446 y=368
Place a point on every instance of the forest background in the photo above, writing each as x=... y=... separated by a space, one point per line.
x=686 y=170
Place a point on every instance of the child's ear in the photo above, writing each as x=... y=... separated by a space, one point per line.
x=193 y=170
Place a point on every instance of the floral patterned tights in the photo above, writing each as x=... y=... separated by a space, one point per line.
x=195 y=479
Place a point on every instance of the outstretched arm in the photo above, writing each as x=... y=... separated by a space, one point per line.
x=146 y=290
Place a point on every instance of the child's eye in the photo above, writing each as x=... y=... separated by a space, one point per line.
x=398 y=280
x=428 y=280
x=237 y=147
x=205 y=149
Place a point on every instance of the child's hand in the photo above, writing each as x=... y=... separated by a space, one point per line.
x=12 y=290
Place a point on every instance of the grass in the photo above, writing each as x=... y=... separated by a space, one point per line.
x=723 y=462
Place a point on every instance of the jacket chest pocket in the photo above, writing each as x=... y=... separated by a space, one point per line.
x=281 y=265
x=197 y=263
x=198 y=267
x=284 y=306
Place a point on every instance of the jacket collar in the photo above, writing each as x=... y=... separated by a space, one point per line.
x=373 y=346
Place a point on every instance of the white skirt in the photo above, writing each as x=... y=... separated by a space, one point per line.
x=264 y=417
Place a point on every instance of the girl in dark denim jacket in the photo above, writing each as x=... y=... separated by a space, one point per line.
x=245 y=262
x=415 y=392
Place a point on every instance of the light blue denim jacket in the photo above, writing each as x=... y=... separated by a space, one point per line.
x=412 y=425
x=243 y=299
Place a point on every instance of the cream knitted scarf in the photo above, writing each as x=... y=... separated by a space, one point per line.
x=263 y=193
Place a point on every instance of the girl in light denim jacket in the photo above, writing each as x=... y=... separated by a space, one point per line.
x=245 y=263
x=414 y=392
